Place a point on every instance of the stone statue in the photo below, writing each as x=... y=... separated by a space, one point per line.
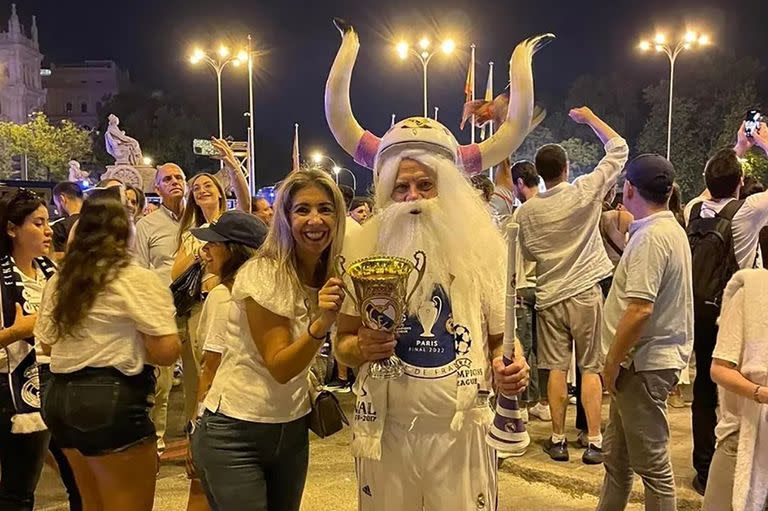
x=124 y=149
x=75 y=173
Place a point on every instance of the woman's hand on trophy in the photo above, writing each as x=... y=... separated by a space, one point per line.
x=375 y=344
x=511 y=379
x=329 y=300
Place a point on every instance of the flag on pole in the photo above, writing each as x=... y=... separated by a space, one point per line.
x=469 y=85
x=472 y=92
x=488 y=97
x=296 y=164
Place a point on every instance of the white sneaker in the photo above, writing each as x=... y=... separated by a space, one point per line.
x=541 y=412
x=524 y=415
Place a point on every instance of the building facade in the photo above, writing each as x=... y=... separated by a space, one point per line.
x=77 y=91
x=21 y=89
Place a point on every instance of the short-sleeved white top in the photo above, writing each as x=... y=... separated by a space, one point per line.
x=212 y=328
x=137 y=301
x=243 y=388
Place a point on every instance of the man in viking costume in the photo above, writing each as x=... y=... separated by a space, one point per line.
x=419 y=439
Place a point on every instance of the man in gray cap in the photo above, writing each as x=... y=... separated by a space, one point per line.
x=647 y=334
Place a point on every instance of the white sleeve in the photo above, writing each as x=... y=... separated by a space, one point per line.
x=259 y=280
x=757 y=209
x=44 y=330
x=730 y=335
x=149 y=302
x=214 y=319
x=604 y=176
x=142 y=244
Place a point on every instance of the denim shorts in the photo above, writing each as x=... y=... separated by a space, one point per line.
x=99 y=410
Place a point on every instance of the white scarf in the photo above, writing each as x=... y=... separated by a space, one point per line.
x=371 y=407
x=750 y=487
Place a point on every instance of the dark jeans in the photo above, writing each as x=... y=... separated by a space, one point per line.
x=250 y=466
x=704 y=406
x=21 y=458
x=526 y=332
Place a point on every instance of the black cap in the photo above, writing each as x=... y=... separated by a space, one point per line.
x=651 y=172
x=234 y=226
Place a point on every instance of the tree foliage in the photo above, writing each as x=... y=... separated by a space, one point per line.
x=48 y=147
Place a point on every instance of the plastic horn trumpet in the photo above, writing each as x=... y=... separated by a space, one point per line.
x=507 y=433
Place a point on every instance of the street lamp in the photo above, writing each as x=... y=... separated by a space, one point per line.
x=337 y=169
x=672 y=50
x=424 y=55
x=218 y=62
x=147 y=160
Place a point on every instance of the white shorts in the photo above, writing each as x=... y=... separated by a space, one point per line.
x=431 y=468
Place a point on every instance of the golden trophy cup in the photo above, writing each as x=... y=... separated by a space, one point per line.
x=381 y=297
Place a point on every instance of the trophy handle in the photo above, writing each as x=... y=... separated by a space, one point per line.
x=342 y=270
x=421 y=262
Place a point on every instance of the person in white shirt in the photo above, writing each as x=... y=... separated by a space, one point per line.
x=739 y=471
x=105 y=320
x=559 y=231
x=229 y=243
x=647 y=336
x=723 y=175
x=155 y=246
x=252 y=446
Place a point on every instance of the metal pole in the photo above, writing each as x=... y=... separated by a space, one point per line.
x=473 y=90
x=393 y=121
x=437 y=109
x=218 y=83
x=491 y=126
x=424 y=65
x=252 y=142
x=672 y=58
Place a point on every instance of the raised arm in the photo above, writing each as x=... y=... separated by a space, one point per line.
x=236 y=177
x=584 y=115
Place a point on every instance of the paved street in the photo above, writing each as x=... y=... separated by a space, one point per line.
x=531 y=482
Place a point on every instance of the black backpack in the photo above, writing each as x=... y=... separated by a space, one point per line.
x=712 y=253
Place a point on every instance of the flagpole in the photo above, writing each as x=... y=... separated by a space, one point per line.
x=393 y=121
x=295 y=153
x=437 y=109
x=490 y=88
x=472 y=66
x=252 y=142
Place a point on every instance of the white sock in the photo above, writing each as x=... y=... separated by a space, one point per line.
x=557 y=439
x=597 y=441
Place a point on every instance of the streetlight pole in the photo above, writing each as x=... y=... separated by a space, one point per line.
x=424 y=56
x=252 y=142
x=336 y=171
x=661 y=45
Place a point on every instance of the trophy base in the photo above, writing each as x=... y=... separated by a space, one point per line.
x=386 y=369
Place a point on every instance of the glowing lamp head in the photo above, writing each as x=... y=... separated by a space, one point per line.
x=223 y=51
x=336 y=169
x=402 y=49
x=197 y=56
x=424 y=43
x=704 y=40
x=644 y=46
x=690 y=37
x=147 y=160
x=317 y=157
x=660 y=39
x=448 y=46
x=242 y=56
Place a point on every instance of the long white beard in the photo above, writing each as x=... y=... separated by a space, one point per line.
x=407 y=227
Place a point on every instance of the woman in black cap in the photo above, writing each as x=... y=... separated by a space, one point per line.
x=229 y=243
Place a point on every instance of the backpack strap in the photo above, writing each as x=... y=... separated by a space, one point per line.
x=730 y=209
x=696 y=211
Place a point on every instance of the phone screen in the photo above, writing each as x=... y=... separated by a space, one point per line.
x=752 y=123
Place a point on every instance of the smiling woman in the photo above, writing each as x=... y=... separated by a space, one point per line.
x=285 y=302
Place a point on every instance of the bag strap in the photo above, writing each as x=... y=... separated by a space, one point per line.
x=730 y=209
x=608 y=240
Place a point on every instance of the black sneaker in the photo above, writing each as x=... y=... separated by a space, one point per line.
x=558 y=452
x=339 y=386
x=593 y=455
x=697 y=485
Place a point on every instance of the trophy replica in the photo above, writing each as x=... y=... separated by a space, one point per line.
x=381 y=297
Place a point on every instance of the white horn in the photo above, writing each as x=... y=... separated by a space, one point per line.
x=360 y=144
x=520 y=115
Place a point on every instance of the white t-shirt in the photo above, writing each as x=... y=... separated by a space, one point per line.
x=214 y=317
x=32 y=292
x=747 y=223
x=730 y=347
x=243 y=388
x=135 y=302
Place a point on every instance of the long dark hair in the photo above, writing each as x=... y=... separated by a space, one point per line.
x=193 y=214
x=239 y=254
x=14 y=209
x=99 y=250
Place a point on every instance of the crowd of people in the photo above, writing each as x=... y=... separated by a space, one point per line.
x=614 y=294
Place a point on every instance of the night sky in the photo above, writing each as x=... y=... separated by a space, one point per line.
x=152 y=39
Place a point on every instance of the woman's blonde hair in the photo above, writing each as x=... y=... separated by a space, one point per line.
x=194 y=213
x=280 y=245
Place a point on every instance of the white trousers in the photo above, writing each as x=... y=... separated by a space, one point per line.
x=428 y=467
